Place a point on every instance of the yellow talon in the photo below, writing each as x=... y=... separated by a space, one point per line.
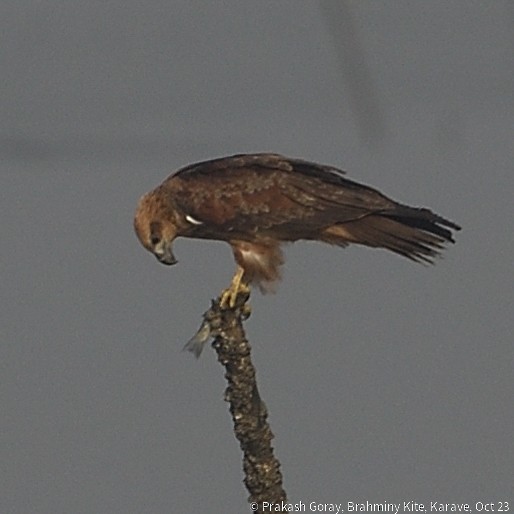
x=237 y=286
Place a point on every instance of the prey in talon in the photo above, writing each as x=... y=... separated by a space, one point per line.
x=196 y=344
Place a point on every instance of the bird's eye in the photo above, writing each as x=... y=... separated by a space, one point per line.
x=155 y=233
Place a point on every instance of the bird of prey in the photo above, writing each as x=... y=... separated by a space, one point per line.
x=256 y=202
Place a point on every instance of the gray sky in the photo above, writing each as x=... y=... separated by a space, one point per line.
x=385 y=380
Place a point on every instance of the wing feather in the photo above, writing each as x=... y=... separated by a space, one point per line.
x=268 y=195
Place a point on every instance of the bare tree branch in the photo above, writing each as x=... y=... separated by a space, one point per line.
x=263 y=478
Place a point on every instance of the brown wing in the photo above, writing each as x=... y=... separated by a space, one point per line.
x=260 y=191
x=267 y=195
x=240 y=193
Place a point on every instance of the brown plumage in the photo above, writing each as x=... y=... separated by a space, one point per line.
x=255 y=202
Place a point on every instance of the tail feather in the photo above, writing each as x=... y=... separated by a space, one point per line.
x=424 y=219
x=418 y=235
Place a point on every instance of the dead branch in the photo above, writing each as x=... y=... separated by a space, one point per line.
x=263 y=478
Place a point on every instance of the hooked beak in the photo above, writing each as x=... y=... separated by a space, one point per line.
x=164 y=254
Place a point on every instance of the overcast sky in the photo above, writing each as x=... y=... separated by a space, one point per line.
x=385 y=380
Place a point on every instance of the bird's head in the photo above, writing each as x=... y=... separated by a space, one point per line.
x=155 y=226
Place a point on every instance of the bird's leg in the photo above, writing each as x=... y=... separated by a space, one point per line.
x=237 y=286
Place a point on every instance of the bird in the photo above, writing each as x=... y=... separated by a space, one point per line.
x=257 y=202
